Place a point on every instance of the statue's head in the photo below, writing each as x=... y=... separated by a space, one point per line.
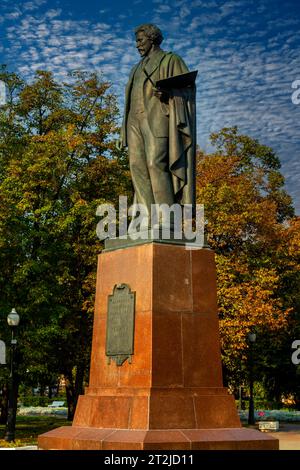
x=147 y=35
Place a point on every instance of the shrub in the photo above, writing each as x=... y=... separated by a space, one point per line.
x=35 y=401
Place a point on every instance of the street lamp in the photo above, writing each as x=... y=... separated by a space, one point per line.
x=13 y=321
x=251 y=340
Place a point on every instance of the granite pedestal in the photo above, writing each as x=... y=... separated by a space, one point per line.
x=171 y=395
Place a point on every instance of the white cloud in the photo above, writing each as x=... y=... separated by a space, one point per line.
x=245 y=67
x=163 y=8
x=33 y=5
x=53 y=13
x=13 y=15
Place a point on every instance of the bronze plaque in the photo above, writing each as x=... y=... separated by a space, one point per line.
x=120 y=324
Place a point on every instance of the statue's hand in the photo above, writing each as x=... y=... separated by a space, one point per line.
x=119 y=144
x=163 y=95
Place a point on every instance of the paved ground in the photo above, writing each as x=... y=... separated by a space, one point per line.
x=289 y=436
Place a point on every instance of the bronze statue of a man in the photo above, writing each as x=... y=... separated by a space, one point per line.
x=159 y=125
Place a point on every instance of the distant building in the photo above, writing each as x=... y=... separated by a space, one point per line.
x=3 y=93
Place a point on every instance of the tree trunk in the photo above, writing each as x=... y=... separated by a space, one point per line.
x=70 y=394
x=79 y=381
x=277 y=393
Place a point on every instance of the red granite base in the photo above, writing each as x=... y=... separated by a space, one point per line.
x=80 y=438
x=170 y=394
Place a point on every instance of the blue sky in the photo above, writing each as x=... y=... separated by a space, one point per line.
x=247 y=53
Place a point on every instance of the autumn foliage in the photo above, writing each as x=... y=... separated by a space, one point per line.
x=251 y=226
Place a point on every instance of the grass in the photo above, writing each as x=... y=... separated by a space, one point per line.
x=29 y=427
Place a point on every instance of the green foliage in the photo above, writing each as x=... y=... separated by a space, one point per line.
x=34 y=400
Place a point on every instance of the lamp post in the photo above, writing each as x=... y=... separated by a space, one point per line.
x=251 y=340
x=13 y=321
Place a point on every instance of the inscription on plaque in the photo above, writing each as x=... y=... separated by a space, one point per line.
x=120 y=324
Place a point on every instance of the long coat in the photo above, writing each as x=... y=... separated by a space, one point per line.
x=175 y=119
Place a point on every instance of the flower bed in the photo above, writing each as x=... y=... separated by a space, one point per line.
x=273 y=415
x=42 y=411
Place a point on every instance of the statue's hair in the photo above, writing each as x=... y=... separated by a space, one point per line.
x=152 y=32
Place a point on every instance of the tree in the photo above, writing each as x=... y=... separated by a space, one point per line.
x=248 y=213
x=59 y=162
